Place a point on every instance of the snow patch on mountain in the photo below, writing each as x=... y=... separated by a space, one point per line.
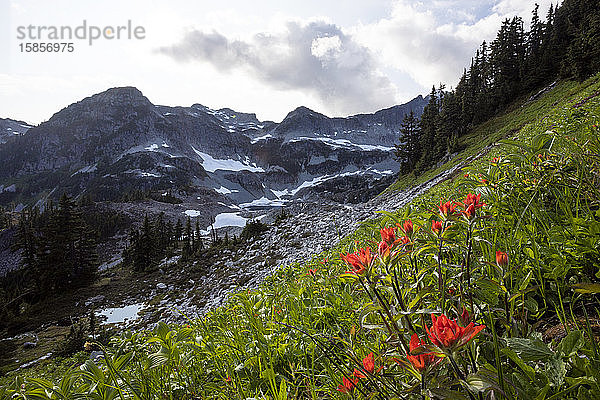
x=224 y=190
x=211 y=164
x=263 y=137
x=264 y=202
x=226 y=219
x=85 y=170
x=342 y=143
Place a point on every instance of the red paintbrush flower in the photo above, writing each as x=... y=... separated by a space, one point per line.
x=501 y=258
x=469 y=211
x=369 y=363
x=421 y=361
x=388 y=235
x=475 y=200
x=360 y=261
x=407 y=227
x=347 y=385
x=448 y=335
x=358 y=374
x=383 y=249
x=447 y=209
x=436 y=227
x=464 y=317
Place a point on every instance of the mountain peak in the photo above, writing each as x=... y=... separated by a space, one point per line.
x=121 y=94
x=305 y=111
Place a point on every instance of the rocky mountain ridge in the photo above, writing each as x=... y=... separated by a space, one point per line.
x=212 y=162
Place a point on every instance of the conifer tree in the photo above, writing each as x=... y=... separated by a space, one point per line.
x=188 y=238
x=144 y=249
x=449 y=126
x=66 y=254
x=407 y=152
x=428 y=127
x=178 y=232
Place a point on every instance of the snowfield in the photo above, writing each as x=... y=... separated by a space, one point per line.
x=342 y=143
x=211 y=164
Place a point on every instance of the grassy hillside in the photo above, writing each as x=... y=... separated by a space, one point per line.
x=491 y=288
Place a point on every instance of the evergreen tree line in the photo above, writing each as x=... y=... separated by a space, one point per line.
x=141 y=195
x=565 y=45
x=5 y=219
x=58 y=251
x=159 y=239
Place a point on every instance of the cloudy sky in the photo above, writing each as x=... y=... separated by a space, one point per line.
x=264 y=56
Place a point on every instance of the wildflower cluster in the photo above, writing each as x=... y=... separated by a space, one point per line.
x=391 y=272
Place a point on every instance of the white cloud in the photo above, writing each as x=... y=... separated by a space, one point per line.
x=520 y=7
x=265 y=56
x=316 y=57
x=326 y=47
x=433 y=42
x=413 y=41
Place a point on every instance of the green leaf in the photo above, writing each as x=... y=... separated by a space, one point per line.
x=157 y=359
x=477 y=383
x=556 y=371
x=529 y=252
x=515 y=143
x=542 y=393
x=531 y=305
x=162 y=330
x=541 y=142
x=91 y=371
x=268 y=374
x=282 y=391
x=422 y=293
x=525 y=282
x=529 y=371
x=448 y=394
x=122 y=361
x=571 y=344
x=530 y=349
x=588 y=288
x=184 y=334
x=427 y=349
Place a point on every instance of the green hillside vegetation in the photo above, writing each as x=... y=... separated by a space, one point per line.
x=310 y=330
x=504 y=125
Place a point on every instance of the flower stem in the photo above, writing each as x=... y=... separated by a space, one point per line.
x=439 y=267
x=459 y=374
x=468 y=266
x=423 y=385
x=395 y=330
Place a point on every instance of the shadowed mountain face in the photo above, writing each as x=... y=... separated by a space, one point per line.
x=115 y=142
x=9 y=128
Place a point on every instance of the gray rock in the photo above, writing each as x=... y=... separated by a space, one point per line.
x=95 y=300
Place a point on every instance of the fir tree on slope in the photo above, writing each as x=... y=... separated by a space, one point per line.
x=408 y=151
